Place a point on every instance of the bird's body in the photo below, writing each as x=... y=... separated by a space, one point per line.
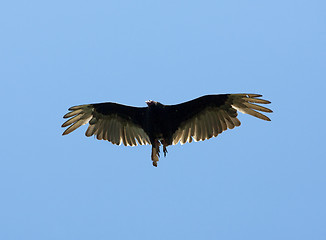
x=156 y=124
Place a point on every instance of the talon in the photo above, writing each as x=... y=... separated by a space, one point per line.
x=165 y=151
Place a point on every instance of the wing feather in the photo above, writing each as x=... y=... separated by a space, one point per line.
x=77 y=124
x=106 y=133
x=257 y=107
x=222 y=120
x=120 y=133
x=134 y=137
x=73 y=113
x=139 y=137
x=209 y=126
x=189 y=139
x=128 y=135
x=236 y=121
x=241 y=107
x=90 y=130
x=191 y=131
x=213 y=122
x=197 y=130
x=201 y=122
x=184 y=136
x=109 y=131
x=123 y=135
x=72 y=120
x=218 y=123
x=99 y=135
x=115 y=132
x=109 y=121
x=210 y=115
x=178 y=136
x=228 y=121
x=257 y=100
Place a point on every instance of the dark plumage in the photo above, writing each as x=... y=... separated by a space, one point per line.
x=156 y=124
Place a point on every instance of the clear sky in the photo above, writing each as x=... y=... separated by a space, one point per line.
x=263 y=180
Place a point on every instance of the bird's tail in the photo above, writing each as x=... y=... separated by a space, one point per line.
x=155 y=153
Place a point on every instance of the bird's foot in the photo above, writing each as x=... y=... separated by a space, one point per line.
x=165 y=151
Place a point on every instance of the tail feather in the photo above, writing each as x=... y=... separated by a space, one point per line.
x=155 y=152
x=155 y=158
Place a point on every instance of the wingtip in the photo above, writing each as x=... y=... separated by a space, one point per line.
x=255 y=95
x=77 y=107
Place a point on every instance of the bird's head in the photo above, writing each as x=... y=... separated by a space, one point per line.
x=151 y=103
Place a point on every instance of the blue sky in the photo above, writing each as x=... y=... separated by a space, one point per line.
x=263 y=180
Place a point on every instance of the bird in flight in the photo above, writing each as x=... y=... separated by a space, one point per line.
x=157 y=124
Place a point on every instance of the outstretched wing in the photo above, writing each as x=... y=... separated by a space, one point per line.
x=109 y=121
x=210 y=115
